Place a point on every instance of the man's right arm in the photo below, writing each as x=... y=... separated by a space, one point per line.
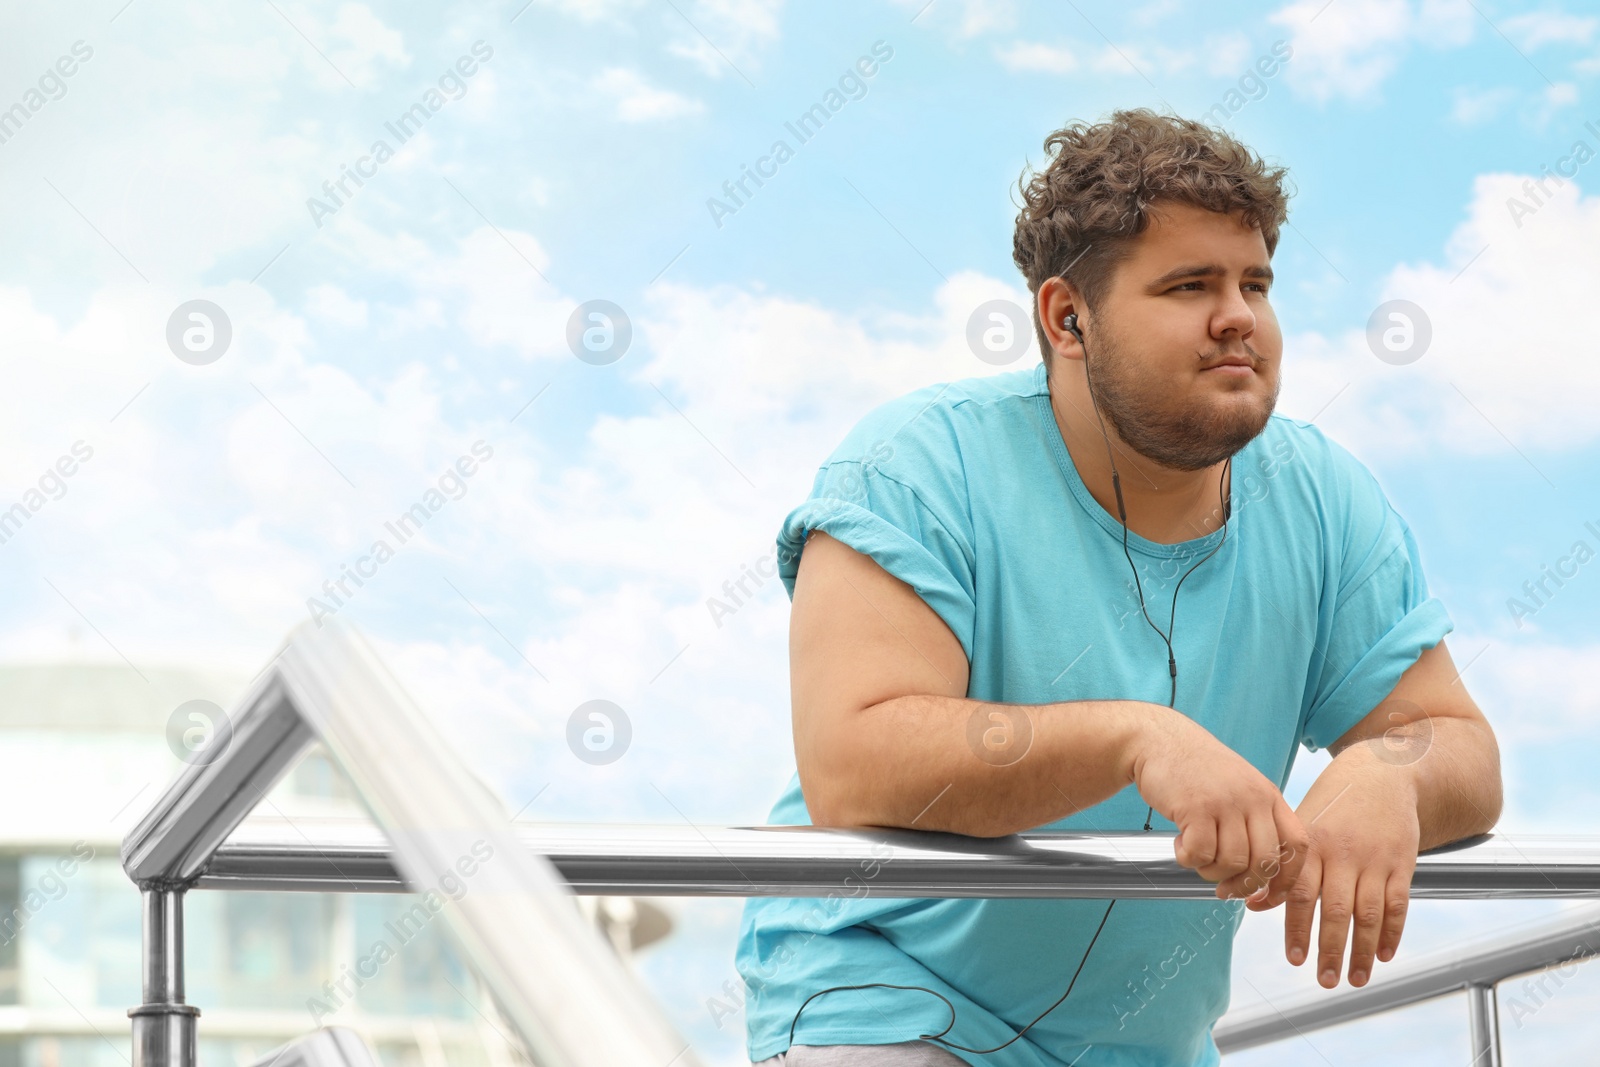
x=885 y=736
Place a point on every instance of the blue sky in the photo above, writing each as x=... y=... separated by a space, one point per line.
x=373 y=346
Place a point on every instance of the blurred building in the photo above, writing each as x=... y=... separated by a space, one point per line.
x=84 y=751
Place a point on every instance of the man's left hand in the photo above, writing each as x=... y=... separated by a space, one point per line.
x=1361 y=814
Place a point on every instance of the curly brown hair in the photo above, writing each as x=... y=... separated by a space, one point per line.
x=1081 y=214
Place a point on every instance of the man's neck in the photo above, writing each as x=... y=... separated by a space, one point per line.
x=1164 y=505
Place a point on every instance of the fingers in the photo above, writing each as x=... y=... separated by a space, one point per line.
x=1294 y=846
x=1299 y=909
x=1366 y=907
x=1396 y=901
x=1264 y=860
x=1368 y=916
x=1196 y=845
x=1233 y=850
x=1338 y=903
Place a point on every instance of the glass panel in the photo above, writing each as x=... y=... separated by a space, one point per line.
x=265 y=951
x=80 y=945
x=1545 y=1017
x=12 y=918
x=316 y=775
x=405 y=961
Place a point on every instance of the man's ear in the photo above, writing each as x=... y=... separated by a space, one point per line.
x=1056 y=300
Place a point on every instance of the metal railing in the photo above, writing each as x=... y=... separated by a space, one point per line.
x=571 y=1000
x=561 y=986
x=1475 y=968
x=341 y=855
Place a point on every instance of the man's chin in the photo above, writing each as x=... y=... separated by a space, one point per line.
x=1236 y=428
x=1199 y=437
x=1198 y=447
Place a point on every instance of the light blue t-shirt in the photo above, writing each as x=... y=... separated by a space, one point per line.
x=1290 y=634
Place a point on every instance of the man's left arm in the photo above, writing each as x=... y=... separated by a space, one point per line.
x=1421 y=770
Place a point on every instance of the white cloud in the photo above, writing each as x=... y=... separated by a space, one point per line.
x=1141 y=59
x=1038 y=57
x=723 y=32
x=711 y=34
x=1561 y=94
x=1535 y=29
x=333 y=304
x=966 y=19
x=637 y=101
x=1229 y=54
x=1127 y=60
x=1156 y=12
x=1445 y=23
x=588 y=10
x=1348 y=49
x=216 y=502
x=1473 y=107
x=361 y=43
x=1509 y=359
x=1223 y=55
x=1511 y=678
x=1344 y=49
x=503 y=300
x=482 y=101
x=356 y=44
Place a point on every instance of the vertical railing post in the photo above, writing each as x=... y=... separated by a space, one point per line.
x=164 y=1026
x=1483 y=1021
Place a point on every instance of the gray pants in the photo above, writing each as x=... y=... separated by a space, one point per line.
x=904 y=1054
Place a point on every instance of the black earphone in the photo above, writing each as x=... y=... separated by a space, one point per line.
x=1070 y=323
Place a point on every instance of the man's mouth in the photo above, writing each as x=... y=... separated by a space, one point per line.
x=1235 y=365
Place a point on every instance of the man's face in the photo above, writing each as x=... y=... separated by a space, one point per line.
x=1192 y=292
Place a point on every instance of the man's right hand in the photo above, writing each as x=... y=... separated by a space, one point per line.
x=1234 y=827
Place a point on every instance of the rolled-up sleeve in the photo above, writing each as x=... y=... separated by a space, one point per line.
x=888 y=520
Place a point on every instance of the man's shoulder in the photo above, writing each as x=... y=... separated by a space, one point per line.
x=1327 y=471
x=1321 y=457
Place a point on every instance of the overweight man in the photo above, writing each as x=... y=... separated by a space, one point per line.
x=1109 y=592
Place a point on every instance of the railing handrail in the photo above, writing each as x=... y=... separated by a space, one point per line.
x=1483 y=963
x=351 y=855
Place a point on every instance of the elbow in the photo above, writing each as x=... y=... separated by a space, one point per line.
x=1491 y=797
x=1496 y=800
x=1485 y=804
x=828 y=808
x=828 y=797
x=837 y=781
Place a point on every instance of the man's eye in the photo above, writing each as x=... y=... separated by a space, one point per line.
x=1252 y=285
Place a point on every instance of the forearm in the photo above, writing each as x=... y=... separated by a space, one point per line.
x=1453 y=768
x=973 y=767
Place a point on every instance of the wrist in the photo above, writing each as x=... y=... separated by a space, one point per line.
x=1392 y=759
x=1142 y=726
